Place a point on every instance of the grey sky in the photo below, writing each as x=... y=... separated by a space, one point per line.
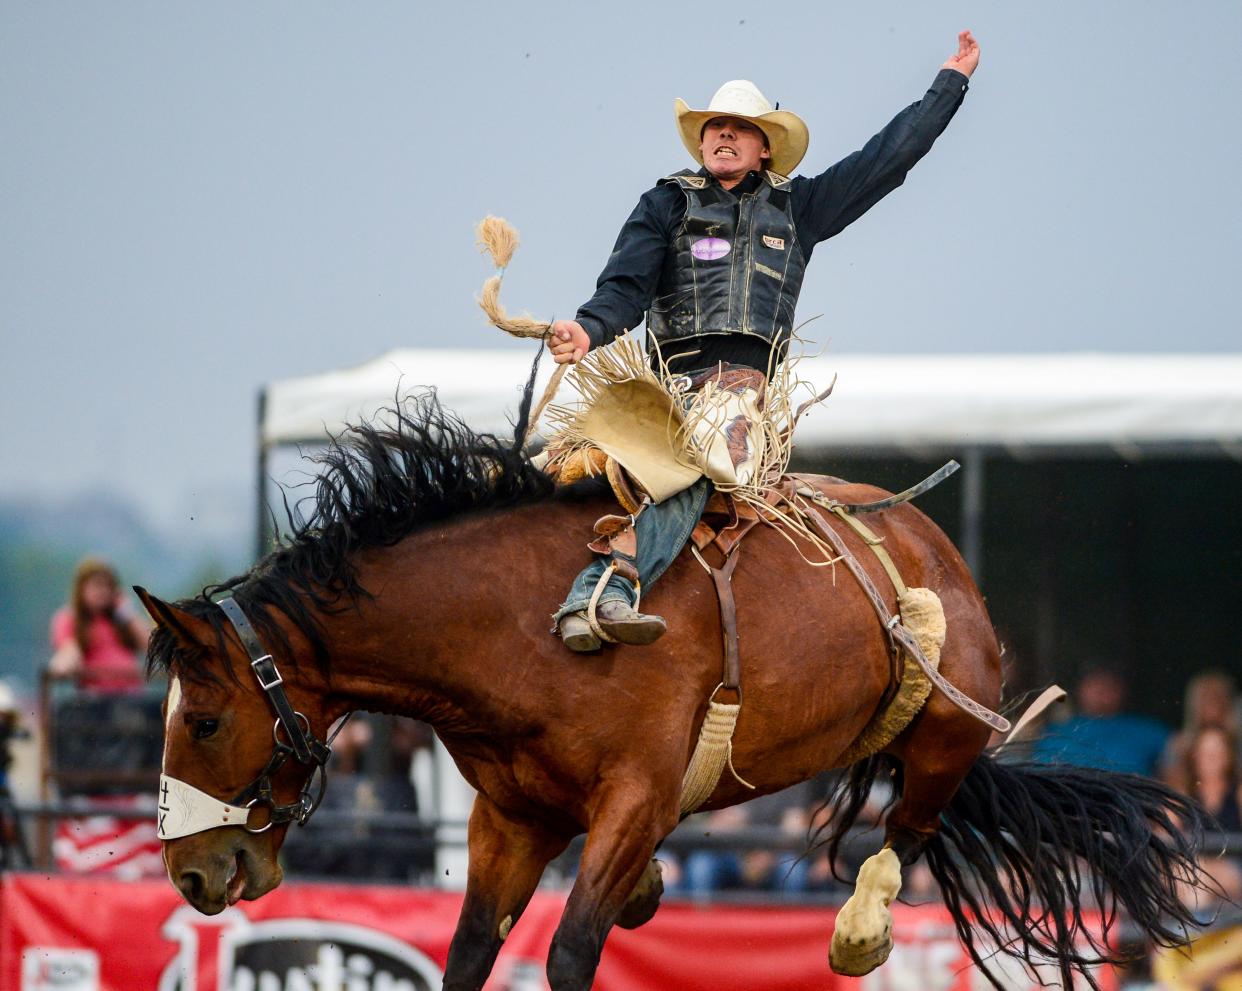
x=195 y=199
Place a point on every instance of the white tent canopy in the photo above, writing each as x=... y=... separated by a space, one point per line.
x=1125 y=402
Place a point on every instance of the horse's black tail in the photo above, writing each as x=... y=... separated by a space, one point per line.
x=1042 y=859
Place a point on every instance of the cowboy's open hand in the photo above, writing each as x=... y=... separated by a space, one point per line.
x=967 y=58
x=568 y=341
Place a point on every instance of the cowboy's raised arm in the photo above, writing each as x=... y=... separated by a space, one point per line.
x=628 y=282
x=833 y=200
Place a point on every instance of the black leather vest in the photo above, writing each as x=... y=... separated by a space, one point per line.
x=734 y=267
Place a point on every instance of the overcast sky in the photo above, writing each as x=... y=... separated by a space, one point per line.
x=199 y=198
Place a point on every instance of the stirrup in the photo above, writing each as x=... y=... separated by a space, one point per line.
x=594 y=603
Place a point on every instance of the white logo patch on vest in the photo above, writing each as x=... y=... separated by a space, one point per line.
x=774 y=242
x=709 y=249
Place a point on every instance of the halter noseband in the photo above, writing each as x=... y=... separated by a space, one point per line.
x=184 y=809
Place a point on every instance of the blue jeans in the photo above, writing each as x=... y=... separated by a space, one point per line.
x=662 y=531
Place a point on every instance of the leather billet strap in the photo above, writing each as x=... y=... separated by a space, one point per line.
x=807 y=489
x=306 y=748
x=741 y=518
x=722 y=578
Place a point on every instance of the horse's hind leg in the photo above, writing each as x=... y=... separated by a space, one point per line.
x=936 y=755
x=507 y=859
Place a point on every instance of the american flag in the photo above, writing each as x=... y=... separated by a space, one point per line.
x=104 y=844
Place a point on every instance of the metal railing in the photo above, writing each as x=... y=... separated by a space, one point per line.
x=689 y=836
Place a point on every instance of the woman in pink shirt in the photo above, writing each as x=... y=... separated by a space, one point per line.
x=97 y=637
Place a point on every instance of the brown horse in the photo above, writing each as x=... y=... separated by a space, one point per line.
x=422 y=584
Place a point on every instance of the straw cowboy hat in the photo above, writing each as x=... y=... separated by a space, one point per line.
x=786 y=132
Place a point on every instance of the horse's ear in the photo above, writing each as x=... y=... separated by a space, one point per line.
x=159 y=610
x=177 y=621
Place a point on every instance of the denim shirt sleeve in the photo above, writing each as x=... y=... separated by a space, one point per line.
x=628 y=282
x=830 y=202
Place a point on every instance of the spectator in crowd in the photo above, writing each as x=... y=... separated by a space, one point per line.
x=1210 y=701
x=1210 y=765
x=1102 y=735
x=789 y=811
x=97 y=637
x=370 y=775
x=1211 y=768
x=105 y=741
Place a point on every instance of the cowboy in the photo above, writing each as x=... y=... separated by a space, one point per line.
x=714 y=258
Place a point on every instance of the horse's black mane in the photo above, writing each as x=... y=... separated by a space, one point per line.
x=414 y=465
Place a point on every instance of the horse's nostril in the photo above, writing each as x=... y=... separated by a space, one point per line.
x=193 y=885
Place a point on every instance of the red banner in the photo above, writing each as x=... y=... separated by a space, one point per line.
x=86 y=934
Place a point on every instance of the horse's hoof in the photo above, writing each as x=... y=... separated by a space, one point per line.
x=853 y=958
x=644 y=899
x=863 y=935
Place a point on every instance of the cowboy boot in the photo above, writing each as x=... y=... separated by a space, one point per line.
x=576 y=633
x=626 y=625
x=617 y=619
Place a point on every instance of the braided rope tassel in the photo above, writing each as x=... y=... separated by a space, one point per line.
x=499 y=238
x=712 y=754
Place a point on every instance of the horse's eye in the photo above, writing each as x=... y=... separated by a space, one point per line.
x=204 y=728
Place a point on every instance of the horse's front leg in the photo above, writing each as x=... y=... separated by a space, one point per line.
x=507 y=859
x=631 y=817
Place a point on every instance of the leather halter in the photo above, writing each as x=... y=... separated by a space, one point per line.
x=184 y=809
x=303 y=744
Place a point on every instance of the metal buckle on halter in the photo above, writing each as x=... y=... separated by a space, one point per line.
x=275 y=678
x=303 y=729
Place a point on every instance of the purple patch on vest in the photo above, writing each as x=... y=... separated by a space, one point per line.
x=708 y=249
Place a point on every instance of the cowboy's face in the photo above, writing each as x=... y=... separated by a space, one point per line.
x=731 y=147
